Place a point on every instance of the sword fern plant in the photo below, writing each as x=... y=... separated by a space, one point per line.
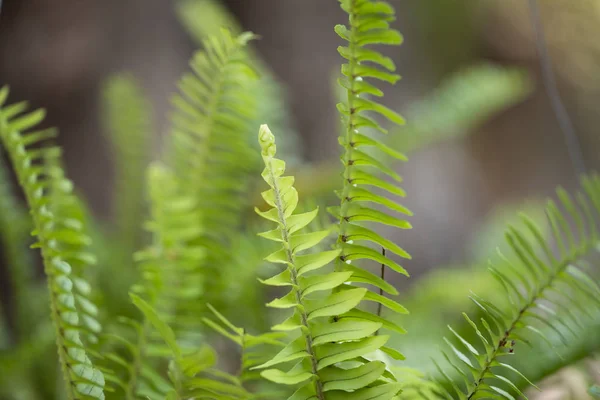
x=336 y=323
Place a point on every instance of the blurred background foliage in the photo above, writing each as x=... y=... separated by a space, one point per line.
x=481 y=138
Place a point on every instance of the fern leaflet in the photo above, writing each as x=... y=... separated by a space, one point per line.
x=167 y=265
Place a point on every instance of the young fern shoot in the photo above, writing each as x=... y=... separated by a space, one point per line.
x=327 y=337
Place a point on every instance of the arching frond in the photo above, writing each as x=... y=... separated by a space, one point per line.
x=360 y=203
x=61 y=241
x=203 y=19
x=171 y=270
x=332 y=334
x=463 y=101
x=68 y=207
x=171 y=281
x=210 y=148
x=192 y=372
x=548 y=291
x=129 y=116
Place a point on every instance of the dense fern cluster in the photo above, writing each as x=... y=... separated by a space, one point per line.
x=336 y=324
x=332 y=331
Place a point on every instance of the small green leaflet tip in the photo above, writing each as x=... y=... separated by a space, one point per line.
x=266 y=139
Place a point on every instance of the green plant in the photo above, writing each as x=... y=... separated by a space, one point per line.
x=336 y=323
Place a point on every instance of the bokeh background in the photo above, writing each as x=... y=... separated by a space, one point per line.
x=481 y=135
x=56 y=54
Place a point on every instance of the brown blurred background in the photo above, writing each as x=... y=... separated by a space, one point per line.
x=56 y=54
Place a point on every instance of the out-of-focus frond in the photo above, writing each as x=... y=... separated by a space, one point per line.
x=130 y=134
x=59 y=231
x=465 y=100
x=548 y=291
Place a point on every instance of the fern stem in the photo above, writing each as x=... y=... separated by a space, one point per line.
x=294 y=278
x=35 y=212
x=530 y=304
x=348 y=146
x=37 y=180
x=55 y=316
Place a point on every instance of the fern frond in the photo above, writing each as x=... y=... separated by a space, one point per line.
x=537 y=363
x=213 y=106
x=548 y=291
x=169 y=270
x=75 y=249
x=191 y=372
x=210 y=148
x=254 y=348
x=462 y=102
x=128 y=114
x=331 y=333
x=205 y=18
x=369 y=24
x=47 y=192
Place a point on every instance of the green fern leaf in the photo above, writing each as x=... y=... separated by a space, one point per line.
x=318 y=302
x=130 y=134
x=170 y=282
x=59 y=233
x=205 y=18
x=210 y=147
x=461 y=103
x=72 y=229
x=548 y=292
x=191 y=372
x=369 y=23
